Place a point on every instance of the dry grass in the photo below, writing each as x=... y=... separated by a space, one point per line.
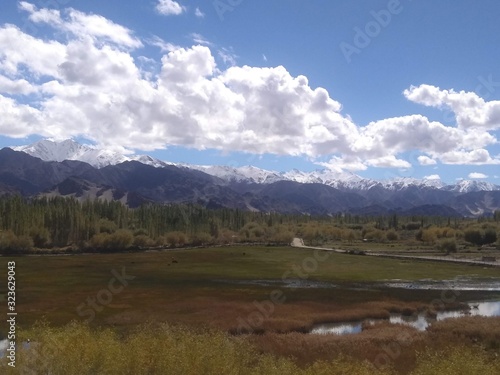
x=473 y=329
x=189 y=294
x=373 y=344
x=152 y=349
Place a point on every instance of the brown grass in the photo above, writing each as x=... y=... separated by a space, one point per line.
x=153 y=348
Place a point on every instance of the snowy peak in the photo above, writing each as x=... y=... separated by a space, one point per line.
x=68 y=149
x=240 y=174
x=49 y=150
x=469 y=186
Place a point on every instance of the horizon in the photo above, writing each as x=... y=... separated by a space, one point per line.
x=341 y=174
x=384 y=90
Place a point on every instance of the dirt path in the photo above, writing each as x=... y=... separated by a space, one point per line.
x=299 y=242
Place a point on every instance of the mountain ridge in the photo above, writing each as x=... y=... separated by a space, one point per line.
x=49 y=150
x=134 y=183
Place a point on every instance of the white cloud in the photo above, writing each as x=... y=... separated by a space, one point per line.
x=432 y=177
x=200 y=39
x=340 y=164
x=425 y=160
x=198 y=13
x=163 y=45
x=228 y=56
x=475 y=157
x=41 y=57
x=169 y=7
x=471 y=111
x=91 y=81
x=16 y=87
x=477 y=176
x=388 y=161
x=84 y=25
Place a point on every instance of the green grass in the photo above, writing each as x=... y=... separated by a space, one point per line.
x=198 y=288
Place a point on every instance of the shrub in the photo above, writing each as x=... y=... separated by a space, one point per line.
x=40 y=236
x=374 y=235
x=10 y=243
x=452 y=361
x=481 y=237
x=448 y=246
x=142 y=241
x=202 y=238
x=121 y=239
x=391 y=235
x=176 y=239
x=106 y=226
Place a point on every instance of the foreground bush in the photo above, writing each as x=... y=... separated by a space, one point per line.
x=75 y=349
x=457 y=361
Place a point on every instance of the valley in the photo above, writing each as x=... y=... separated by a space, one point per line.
x=269 y=297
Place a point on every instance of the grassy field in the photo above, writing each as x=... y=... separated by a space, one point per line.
x=214 y=285
x=221 y=287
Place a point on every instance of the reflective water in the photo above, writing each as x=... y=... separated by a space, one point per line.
x=420 y=321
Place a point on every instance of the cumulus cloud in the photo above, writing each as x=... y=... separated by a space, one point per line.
x=340 y=164
x=475 y=157
x=169 y=7
x=91 y=81
x=477 y=176
x=433 y=177
x=471 y=111
x=425 y=160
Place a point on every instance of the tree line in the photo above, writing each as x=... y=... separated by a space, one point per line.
x=58 y=223
x=101 y=225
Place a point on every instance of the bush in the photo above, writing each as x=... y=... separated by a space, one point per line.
x=429 y=236
x=176 y=239
x=10 y=243
x=142 y=241
x=448 y=246
x=106 y=226
x=121 y=239
x=40 y=236
x=252 y=232
x=392 y=235
x=490 y=236
x=374 y=235
x=76 y=349
x=480 y=237
x=473 y=236
x=284 y=237
x=202 y=238
x=453 y=361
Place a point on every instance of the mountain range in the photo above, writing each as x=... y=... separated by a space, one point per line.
x=68 y=168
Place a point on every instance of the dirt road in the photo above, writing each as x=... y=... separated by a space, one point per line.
x=299 y=242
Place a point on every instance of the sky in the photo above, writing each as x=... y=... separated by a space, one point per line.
x=384 y=89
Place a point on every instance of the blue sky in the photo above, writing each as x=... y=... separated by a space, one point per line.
x=384 y=89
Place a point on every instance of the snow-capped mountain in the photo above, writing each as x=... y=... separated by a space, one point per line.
x=468 y=186
x=49 y=150
x=241 y=174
